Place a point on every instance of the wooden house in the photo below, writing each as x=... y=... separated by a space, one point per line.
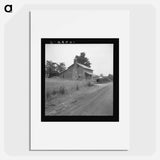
x=77 y=71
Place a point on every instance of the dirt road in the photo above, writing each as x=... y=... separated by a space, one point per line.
x=94 y=101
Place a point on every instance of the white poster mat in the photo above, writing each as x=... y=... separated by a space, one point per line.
x=79 y=135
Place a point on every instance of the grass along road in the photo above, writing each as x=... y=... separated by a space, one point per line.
x=95 y=100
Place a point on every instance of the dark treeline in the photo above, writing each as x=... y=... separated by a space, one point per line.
x=54 y=69
x=105 y=79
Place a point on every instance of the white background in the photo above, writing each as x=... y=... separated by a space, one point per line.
x=79 y=135
x=144 y=62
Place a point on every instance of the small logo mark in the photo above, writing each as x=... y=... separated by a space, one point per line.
x=8 y=8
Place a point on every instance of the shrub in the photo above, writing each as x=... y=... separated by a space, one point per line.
x=62 y=90
x=77 y=87
x=48 y=94
x=90 y=84
x=54 y=92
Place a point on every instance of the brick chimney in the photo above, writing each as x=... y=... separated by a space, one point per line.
x=75 y=61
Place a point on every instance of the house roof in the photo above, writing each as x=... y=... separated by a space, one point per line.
x=88 y=73
x=81 y=65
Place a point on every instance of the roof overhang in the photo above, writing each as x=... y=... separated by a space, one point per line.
x=88 y=73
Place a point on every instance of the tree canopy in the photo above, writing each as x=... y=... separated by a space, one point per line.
x=82 y=59
x=54 y=69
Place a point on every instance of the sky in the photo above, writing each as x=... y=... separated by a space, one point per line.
x=99 y=55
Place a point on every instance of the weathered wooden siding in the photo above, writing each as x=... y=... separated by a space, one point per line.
x=67 y=74
x=75 y=72
x=80 y=73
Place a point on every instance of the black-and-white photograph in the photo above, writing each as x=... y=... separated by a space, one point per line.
x=80 y=79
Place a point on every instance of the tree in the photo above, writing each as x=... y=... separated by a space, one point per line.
x=61 y=67
x=51 y=69
x=54 y=69
x=82 y=59
x=101 y=75
x=110 y=76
